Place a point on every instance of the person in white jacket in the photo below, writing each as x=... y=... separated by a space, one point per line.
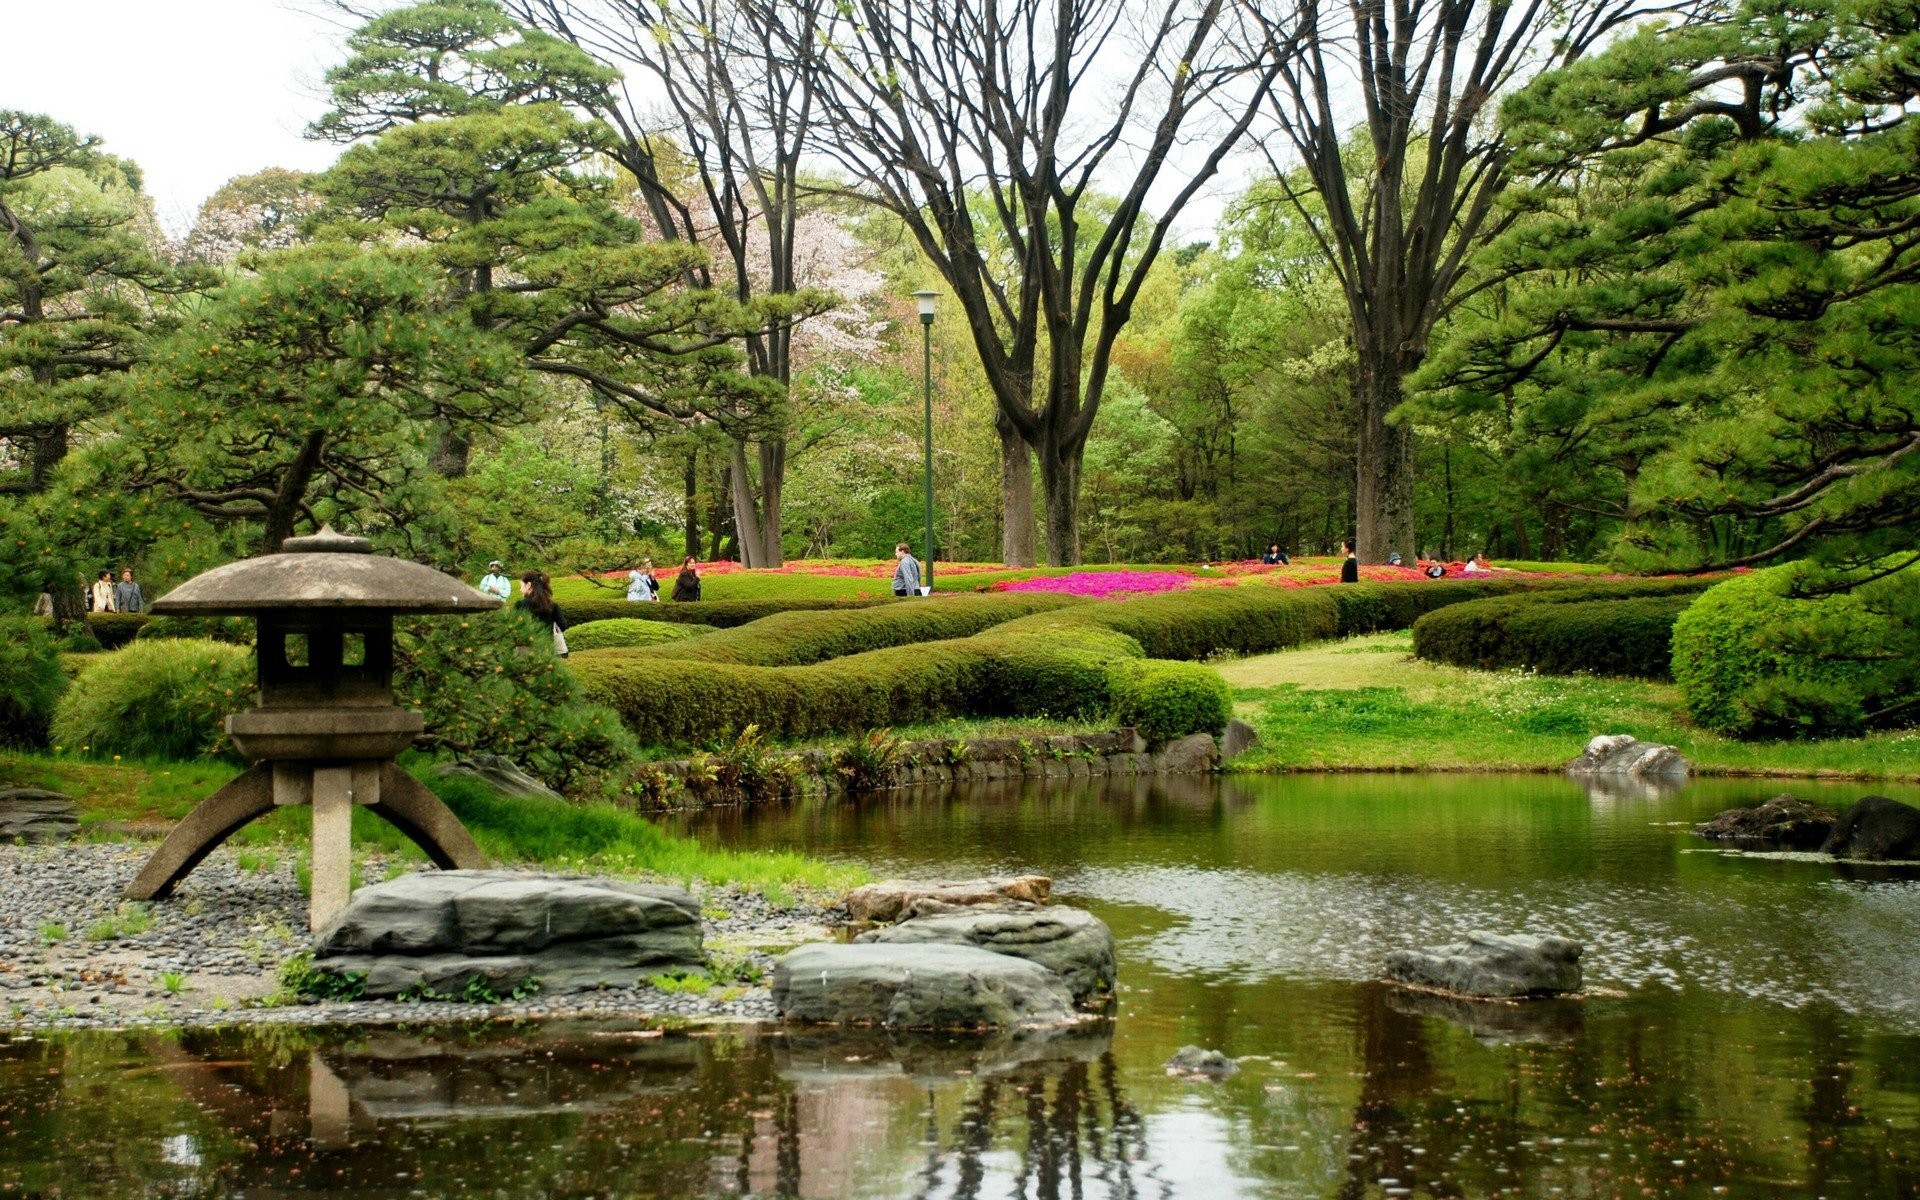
x=495 y=583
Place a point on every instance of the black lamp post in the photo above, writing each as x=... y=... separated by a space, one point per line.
x=926 y=361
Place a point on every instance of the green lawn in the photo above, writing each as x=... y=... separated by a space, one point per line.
x=1368 y=704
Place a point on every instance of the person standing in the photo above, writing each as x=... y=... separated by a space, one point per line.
x=687 y=587
x=642 y=587
x=537 y=602
x=1350 y=569
x=906 y=571
x=100 y=596
x=495 y=582
x=126 y=593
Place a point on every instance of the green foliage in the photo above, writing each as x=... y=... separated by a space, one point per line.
x=793 y=639
x=628 y=632
x=1609 y=630
x=490 y=682
x=299 y=978
x=1801 y=651
x=1168 y=700
x=237 y=630
x=30 y=665
x=160 y=700
x=720 y=614
x=114 y=630
x=870 y=761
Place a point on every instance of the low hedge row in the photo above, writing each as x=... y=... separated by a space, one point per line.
x=796 y=639
x=115 y=630
x=1631 y=637
x=721 y=614
x=630 y=632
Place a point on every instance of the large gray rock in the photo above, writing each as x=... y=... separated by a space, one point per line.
x=897 y=899
x=1239 y=738
x=917 y=987
x=1786 y=820
x=36 y=815
x=1876 y=827
x=442 y=929
x=1624 y=754
x=1491 y=964
x=1070 y=942
x=1195 y=754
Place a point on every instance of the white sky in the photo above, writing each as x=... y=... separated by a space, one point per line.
x=195 y=91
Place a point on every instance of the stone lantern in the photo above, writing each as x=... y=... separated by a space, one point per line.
x=325 y=730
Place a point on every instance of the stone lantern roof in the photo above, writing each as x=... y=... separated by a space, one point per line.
x=325 y=571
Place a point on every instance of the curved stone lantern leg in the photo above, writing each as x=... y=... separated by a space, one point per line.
x=385 y=789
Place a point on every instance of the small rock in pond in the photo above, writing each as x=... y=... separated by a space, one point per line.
x=917 y=987
x=1072 y=943
x=1876 y=827
x=1786 y=820
x=1491 y=964
x=890 y=899
x=1192 y=1060
x=1624 y=754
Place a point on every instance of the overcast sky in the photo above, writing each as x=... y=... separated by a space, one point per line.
x=195 y=91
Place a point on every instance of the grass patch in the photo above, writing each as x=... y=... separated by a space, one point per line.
x=1366 y=704
x=130 y=920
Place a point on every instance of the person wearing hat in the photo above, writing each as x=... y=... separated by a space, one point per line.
x=496 y=583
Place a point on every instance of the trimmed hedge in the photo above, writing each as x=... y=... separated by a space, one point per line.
x=1624 y=630
x=1779 y=653
x=238 y=630
x=796 y=639
x=159 y=699
x=629 y=632
x=115 y=630
x=721 y=614
x=1067 y=661
x=1165 y=700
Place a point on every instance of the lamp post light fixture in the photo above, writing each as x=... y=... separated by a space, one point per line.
x=926 y=361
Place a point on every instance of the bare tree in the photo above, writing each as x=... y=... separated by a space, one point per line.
x=1387 y=106
x=740 y=113
x=1021 y=142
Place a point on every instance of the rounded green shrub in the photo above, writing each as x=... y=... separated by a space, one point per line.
x=1168 y=700
x=163 y=699
x=30 y=665
x=1783 y=652
x=619 y=632
x=722 y=614
x=115 y=630
x=237 y=630
x=1601 y=632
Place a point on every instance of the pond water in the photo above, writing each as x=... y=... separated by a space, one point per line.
x=1754 y=1028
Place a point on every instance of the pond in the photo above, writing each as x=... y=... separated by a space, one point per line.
x=1754 y=1028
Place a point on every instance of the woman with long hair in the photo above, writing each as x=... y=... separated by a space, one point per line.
x=537 y=602
x=687 y=587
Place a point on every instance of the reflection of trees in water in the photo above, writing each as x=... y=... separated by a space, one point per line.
x=1076 y=1122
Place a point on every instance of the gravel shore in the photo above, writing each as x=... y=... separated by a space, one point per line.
x=74 y=955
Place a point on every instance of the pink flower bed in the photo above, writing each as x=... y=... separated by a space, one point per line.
x=1100 y=584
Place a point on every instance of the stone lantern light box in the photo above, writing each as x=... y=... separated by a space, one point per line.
x=325 y=729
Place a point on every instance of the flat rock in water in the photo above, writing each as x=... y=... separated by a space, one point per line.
x=1491 y=964
x=890 y=899
x=1786 y=820
x=36 y=815
x=917 y=987
x=442 y=929
x=1624 y=754
x=1876 y=827
x=1070 y=942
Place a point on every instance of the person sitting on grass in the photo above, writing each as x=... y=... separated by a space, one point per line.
x=1275 y=556
x=686 y=588
x=1477 y=565
x=906 y=574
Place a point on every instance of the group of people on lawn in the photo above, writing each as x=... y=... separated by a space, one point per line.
x=1429 y=564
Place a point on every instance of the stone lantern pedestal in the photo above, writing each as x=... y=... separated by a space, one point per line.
x=326 y=731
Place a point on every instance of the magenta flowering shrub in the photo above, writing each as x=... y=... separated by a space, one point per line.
x=1102 y=585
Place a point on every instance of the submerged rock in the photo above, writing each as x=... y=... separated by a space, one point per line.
x=1624 y=754
x=1192 y=1060
x=36 y=815
x=1072 y=943
x=1876 y=827
x=442 y=929
x=917 y=987
x=1786 y=820
x=895 y=899
x=1491 y=964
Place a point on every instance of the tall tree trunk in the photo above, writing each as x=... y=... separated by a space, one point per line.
x=756 y=519
x=450 y=453
x=746 y=515
x=719 y=520
x=285 y=509
x=1060 y=476
x=1016 y=495
x=690 y=531
x=1383 y=466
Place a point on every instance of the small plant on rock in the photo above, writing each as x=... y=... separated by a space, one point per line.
x=299 y=978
